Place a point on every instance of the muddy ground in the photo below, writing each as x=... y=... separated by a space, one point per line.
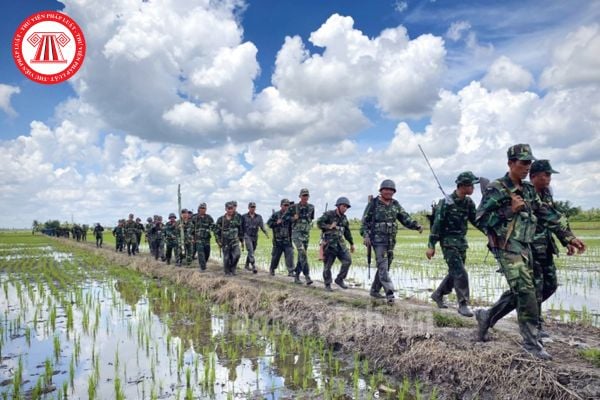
x=401 y=339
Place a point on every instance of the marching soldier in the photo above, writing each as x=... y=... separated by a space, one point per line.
x=139 y=229
x=151 y=236
x=119 y=234
x=252 y=222
x=450 y=229
x=130 y=228
x=188 y=236
x=171 y=236
x=303 y=213
x=159 y=241
x=281 y=224
x=335 y=227
x=229 y=236
x=98 y=233
x=508 y=213
x=203 y=224
x=378 y=229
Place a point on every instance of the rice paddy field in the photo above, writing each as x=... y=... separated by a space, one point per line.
x=72 y=326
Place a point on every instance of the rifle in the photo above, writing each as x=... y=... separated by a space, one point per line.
x=370 y=200
x=322 y=243
x=448 y=198
x=181 y=233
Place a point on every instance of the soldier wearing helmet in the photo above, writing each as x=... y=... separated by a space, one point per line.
x=303 y=213
x=229 y=236
x=378 y=228
x=335 y=227
x=251 y=223
x=171 y=234
x=151 y=236
x=203 y=224
x=98 y=229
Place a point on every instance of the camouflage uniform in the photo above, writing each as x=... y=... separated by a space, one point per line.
x=171 y=235
x=159 y=241
x=130 y=229
x=229 y=235
x=510 y=236
x=202 y=225
x=333 y=241
x=119 y=234
x=251 y=225
x=188 y=239
x=301 y=234
x=282 y=242
x=151 y=236
x=380 y=226
x=450 y=229
x=98 y=229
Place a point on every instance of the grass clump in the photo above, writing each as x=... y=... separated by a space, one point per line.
x=443 y=320
x=592 y=355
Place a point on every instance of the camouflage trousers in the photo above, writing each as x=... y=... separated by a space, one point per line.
x=131 y=242
x=544 y=272
x=286 y=249
x=518 y=270
x=119 y=243
x=457 y=278
x=203 y=250
x=172 y=247
x=250 y=242
x=384 y=255
x=231 y=257
x=188 y=252
x=301 y=243
x=99 y=240
x=158 y=246
x=331 y=253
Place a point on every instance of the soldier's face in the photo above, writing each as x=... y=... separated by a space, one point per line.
x=387 y=194
x=230 y=210
x=202 y=211
x=519 y=168
x=284 y=207
x=541 y=180
x=342 y=208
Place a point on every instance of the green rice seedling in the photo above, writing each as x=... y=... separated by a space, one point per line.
x=28 y=336
x=119 y=395
x=56 y=345
x=72 y=372
x=53 y=317
x=592 y=355
x=36 y=392
x=92 y=386
x=404 y=389
x=48 y=372
x=18 y=379
x=444 y=320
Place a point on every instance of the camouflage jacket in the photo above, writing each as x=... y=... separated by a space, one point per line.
x=150 y=232
x=130 y=228
x=139 y=228
x=118 y=232
x=203 y=225
x=157 y=230
x=335 y=236
x=188 y=230
x=282 y=232
x=543 y=239
x=171 y=233
x=450 y=222
x=98 y=229
x=228 y=232
x=306 y=214
x=251 y=225
x=379 y=221
x=514 y=232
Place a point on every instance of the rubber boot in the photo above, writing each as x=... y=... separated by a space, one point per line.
x=297 y=280
x=531 y=343
x=340 y=283
x=483 y=321
x=464 y=310
x=438 y=299
x=308 y=280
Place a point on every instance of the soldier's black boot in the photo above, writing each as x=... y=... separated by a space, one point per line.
x=254 y=270
x=483 y=324
x=328 y=288
x=376 y=295
x=390 y=297
x=464 y=310
x=247 y=267
x=272 y=271
x=340 y=283
x=297 y=280
x=308 y=280
x=438 y=299
x=531 y=343
x=168 y=261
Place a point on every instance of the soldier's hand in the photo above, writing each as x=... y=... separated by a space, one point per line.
x=420 y=229
x=571 y=249
x=578 y=244
x=367 y=241
x=516 y=203
x=279 y=221
x=296 y=216
x=351 y=248
x=430 y=253
x=333 y=225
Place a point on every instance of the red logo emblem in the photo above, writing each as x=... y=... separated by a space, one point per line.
x=48 y=47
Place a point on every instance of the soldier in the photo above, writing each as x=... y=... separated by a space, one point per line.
x=159 y=242
x=151 y=236
x=450 y=229
x=98 y=229
x=281 y=224
x=203 y=224
x=130 y=229
x=171 y=236
x=119 y=234
x=251 y=222
x=139 y=229
x=229 y=236
x=544 y=247
x=188 y=236
x=84 y=229
x=508 y=213
x=335 y=228
x=302 y=214
x=378 y=229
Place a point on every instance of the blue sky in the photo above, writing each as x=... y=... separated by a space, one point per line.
x=253 y=100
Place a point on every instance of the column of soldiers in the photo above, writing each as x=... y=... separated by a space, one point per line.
x=518 y=218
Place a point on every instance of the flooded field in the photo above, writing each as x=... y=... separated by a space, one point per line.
x=74 y=327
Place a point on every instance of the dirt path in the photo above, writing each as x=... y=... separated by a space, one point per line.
x=401 y=339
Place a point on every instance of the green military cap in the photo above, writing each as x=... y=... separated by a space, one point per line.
x=184 y=210
x=202 y=205
x=541 y=166
x=228 y=204
x=466 y=178
x=251 y=204
x=233 y=203
x=172 y=215
x=285 y=202
x=521 y=152
x=304 y=192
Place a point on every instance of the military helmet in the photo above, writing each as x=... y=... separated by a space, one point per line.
x=149 y=219
x=251 y=204
x=172 y=215
x=541 y=166
x=342 y=200
x=466 y=178
x=304 y=192
x=284 y=202
x=387 y=184
x=202 y=205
